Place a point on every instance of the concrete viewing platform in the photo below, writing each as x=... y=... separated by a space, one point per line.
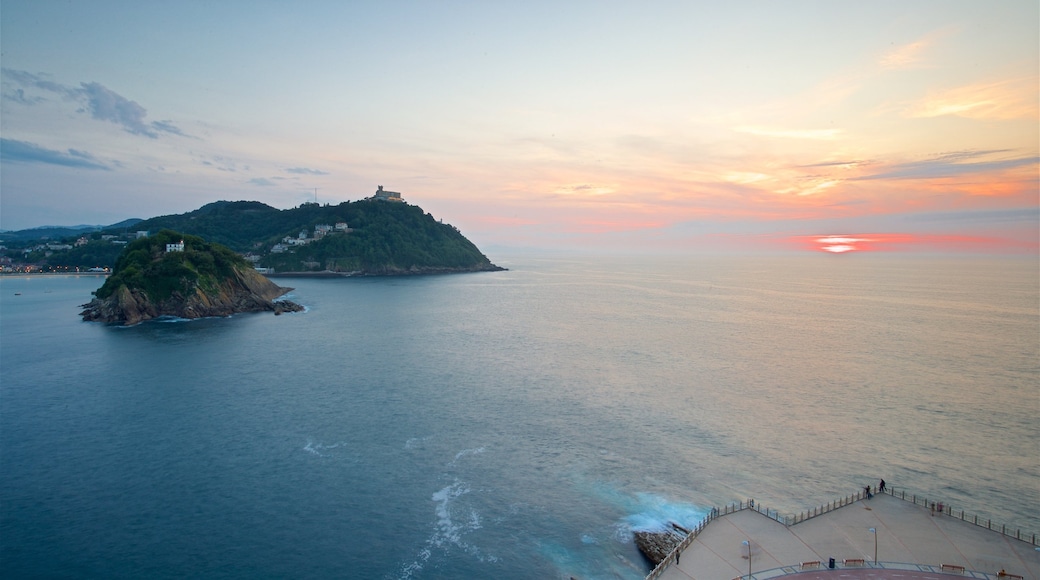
x=911 y=541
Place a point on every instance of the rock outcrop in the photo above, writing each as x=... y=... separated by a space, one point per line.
x=170 y=274
x=246 y=291
x=656 y=545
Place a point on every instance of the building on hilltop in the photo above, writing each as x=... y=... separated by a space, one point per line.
x=384 y=195
x=178 y=247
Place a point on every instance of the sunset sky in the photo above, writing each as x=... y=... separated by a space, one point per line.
x=619 y=126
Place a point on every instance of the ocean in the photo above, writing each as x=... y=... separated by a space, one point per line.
x=508 y=425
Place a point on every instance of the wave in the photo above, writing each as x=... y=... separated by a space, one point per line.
x=647 y=511
x=321 y=449
x=415 y=442
x=455 y=521
x=464 y=453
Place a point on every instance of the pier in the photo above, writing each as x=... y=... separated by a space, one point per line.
x=891 y=535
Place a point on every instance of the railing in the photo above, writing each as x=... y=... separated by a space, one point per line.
x=822 y=509
x=791 y=520
x=943 y=508
x=714 y=514
x=860 y=564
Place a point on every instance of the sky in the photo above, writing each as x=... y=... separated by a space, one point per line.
x=586 y=125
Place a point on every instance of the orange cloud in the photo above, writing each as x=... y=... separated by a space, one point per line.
x=819 y=134
x=1002 y=100
x=905 y=56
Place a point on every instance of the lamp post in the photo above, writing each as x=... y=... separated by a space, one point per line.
x=748 y=544
x=874 y=531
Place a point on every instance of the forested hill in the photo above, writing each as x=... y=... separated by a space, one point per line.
x=380 y=237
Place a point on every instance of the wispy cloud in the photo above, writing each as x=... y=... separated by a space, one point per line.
x=977 y=217
x=842 y=164
x=19 y=96
x=102 y=103
x=584 y=189
x=30 y=80
x=107 y=105
x=25 y=152
x=261 y=181
x=306 y=171
x=905 y=56
x=948 y=165
x=822 y=134
x=1002 y=100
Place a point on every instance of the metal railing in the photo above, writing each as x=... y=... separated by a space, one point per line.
x=939 y=569
x=790 y=520
x=944 y=508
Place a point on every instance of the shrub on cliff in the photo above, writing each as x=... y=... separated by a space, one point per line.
x=145 y=265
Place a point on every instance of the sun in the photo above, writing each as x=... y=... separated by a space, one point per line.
x=841 y=244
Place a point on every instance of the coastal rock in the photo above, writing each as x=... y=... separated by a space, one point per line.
x=656 y=545
x=170 y=274
x=246 y=291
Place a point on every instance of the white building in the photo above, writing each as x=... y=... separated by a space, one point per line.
x=178 y=247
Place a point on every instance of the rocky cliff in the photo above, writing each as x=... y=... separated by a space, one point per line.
x=246 y=292
x=656 y=545
x=196 y=281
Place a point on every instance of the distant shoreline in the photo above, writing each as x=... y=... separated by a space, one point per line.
x=55 y=273
x=364 y=274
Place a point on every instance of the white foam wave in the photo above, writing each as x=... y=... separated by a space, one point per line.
x=321 y=449
x=453 y=524
x=464 y=453
x=651 y=512
x=415 y=442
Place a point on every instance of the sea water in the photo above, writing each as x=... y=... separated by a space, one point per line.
x=516 y=424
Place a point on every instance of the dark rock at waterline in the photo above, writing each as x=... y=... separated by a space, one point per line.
x=657 y=545
x=130 y=306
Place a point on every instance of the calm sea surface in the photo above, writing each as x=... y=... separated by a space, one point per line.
x=516 y=424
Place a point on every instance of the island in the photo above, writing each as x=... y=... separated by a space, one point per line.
x=179 y=275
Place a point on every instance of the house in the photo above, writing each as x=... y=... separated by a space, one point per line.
x=178 y=247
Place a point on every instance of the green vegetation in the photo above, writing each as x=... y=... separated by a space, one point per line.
x=384 y=238
x=146 y=265
x=239 y=225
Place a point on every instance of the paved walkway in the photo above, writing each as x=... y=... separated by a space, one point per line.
x=905 y=533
